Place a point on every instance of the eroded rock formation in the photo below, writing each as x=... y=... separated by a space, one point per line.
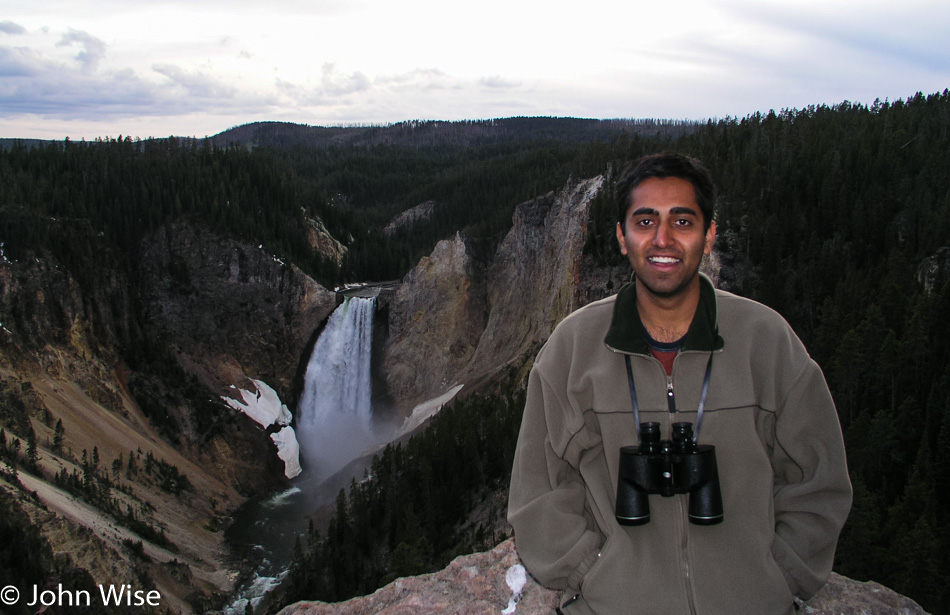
x=452 y=321
x=435 y=320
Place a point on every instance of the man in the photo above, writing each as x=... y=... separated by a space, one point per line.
x=665 y=347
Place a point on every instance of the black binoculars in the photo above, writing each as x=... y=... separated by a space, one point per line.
x=668 y=468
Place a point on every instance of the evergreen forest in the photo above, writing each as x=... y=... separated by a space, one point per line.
x=837 y=216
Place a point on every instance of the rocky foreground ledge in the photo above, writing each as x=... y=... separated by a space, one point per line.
x=487 y=582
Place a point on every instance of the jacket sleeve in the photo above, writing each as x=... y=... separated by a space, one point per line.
x=812 y=490
x=554 y=531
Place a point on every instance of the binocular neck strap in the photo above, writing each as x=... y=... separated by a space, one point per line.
x=702 y=400
x=699 y=410
x=633 y=396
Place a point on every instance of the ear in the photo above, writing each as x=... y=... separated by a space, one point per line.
x=620 y=240
x=710 y=238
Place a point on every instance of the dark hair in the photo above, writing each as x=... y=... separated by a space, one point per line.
x=662 y=166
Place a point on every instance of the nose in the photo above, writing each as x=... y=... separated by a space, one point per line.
x=662 y=238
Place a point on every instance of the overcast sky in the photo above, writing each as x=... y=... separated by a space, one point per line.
x=197 y=67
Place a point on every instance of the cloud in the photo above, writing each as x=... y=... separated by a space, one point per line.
x=337 y=84
x=93 y=49
x=37 y=82
x=8 y=27
x=195 y=84
x=18 y=62
x=417 y=79
x=334 y=87
x=499 y=82
x=35 y=85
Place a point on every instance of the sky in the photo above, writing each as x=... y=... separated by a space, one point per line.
x=155 y=68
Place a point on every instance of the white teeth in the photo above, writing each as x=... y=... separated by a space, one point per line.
x=663 y=259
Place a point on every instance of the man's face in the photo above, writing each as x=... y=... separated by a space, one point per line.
x=663 y=236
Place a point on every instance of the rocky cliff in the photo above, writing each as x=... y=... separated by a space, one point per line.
x=495 y=582
x=436 y=317
x=229 y=310
x=536 y=267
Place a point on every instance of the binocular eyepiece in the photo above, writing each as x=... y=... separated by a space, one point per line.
x=668 y=467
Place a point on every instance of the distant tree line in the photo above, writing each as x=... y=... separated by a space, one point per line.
x=440 y=134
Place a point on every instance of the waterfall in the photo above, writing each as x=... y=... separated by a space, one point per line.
x=334 y=416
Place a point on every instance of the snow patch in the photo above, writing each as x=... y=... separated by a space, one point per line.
x=425 y=410
x=265 y=408
x=516 y=577
x=288 y=450
x=263 y=405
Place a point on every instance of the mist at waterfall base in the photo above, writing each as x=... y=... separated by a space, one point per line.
x=335 y=425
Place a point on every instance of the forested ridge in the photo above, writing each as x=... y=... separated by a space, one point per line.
x=833 y=215
x=127 y=188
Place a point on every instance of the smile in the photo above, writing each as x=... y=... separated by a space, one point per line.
x=664 y=260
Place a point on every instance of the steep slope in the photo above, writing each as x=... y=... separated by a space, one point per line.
x=66 y=390
x=535 y=275
x=436 y=317
x=116 y=442
x=229 y=310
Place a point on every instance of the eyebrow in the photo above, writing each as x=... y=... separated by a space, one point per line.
x=649 y=211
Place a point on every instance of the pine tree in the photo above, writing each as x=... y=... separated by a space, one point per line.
x=59 y=435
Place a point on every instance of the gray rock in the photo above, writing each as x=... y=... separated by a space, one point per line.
x=477 y=584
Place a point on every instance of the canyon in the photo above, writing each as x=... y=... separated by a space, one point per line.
x=232 y=319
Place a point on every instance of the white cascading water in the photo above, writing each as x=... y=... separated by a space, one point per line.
x=334 y=425
x=334 y=416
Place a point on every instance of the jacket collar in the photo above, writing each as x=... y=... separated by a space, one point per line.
x=626 y=333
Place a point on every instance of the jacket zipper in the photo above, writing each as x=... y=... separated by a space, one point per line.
x=670 y=398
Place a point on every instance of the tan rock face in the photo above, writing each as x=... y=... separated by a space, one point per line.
x=451 y=322
x=323 y=243
x=423 y=211
x=533 y=279
x=479 y=584
x=435 y=320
